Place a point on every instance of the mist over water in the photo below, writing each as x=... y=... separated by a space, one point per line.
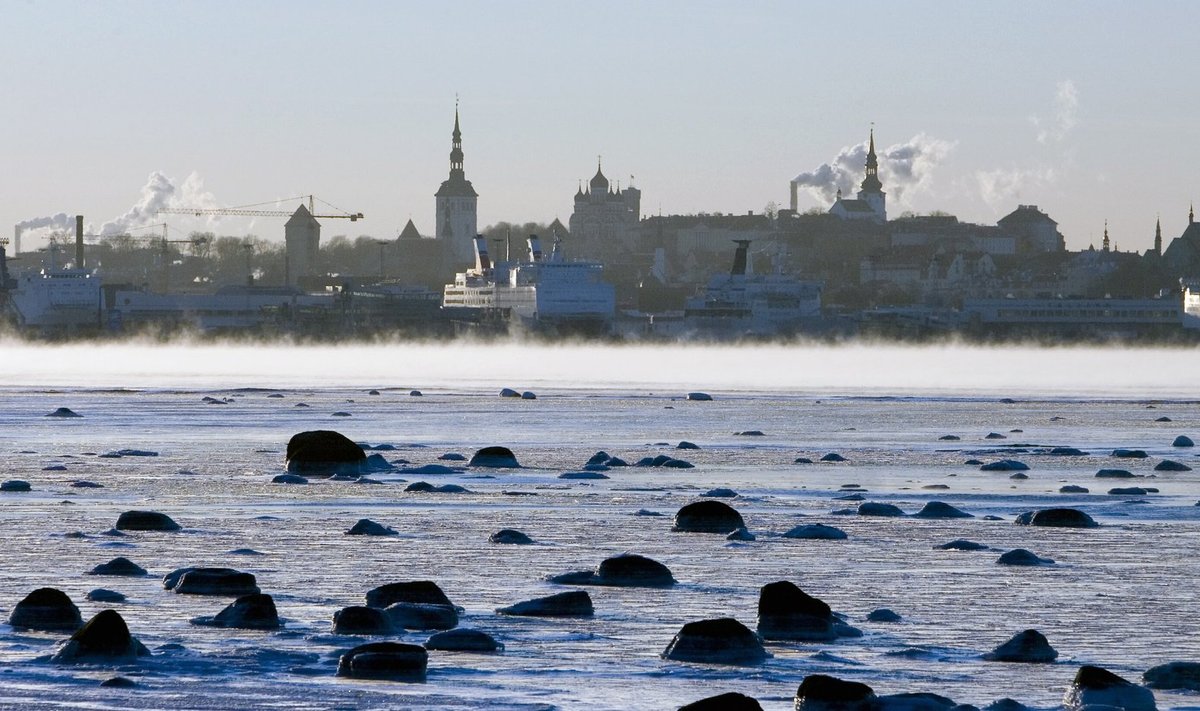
x=861 y=369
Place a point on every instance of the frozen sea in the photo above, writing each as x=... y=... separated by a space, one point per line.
x=1121 y=596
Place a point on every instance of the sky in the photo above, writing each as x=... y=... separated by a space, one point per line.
x=1085 y=109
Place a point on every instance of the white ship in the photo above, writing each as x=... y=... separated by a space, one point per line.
x=53 y=299
x=742 y=303
x=544 y=291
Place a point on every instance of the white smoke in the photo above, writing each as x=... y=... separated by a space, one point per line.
x=1066 y=109
x=159 y=192
x=156 y=194
x=1002 y=187
x=905 y=169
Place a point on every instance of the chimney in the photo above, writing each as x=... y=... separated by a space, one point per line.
x=79 y=241
x=739 y=257
x=482 y=262
x=795 y=197
x=16 y=240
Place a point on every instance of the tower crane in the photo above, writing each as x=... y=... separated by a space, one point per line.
x=257 y=210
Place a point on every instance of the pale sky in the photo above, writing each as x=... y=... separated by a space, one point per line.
x=1087 y=109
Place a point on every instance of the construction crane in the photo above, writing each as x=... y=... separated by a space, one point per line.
x=163 y=242
x=256 y=210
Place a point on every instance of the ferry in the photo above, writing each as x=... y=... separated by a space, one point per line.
x=53 y=299
x=543 y=291
x=742 y=303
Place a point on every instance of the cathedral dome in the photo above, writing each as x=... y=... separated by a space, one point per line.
x=599 y=183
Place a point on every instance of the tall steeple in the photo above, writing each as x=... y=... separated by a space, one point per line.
x=1105 y=243
x=1158 y=236
x=871 y=184
x=1191 y=214
x=456 y=151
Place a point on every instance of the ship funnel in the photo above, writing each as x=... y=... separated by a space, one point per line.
x=79 y=241
x=739 y=257
x=535 y=248
x=482 y=262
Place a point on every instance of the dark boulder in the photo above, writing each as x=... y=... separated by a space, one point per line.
x=1183 y=441
x=1029 y=646
x=719 y=641
x=119 y=566
x=939 y=509
x=731 y=701
x=1128 y=491
x=324 y=452
x=1072 y=489
x=15 y=485
x=817 y=531
x=687 y=445
x=708 y=516
x=1066 y=452
x=873 y=508
x=750 y=433
x=105 y=595
x=582 y=475
x=994 y=435
x=1174 y=675
x=391 y=661
x=573 y=603
x=250 y=612
x=495 y=457
x=288 y=479
x=833 y=457
x=961 y=544
x=699 y=397
x=1021 y=556
x=422 y=592
x=785 y=612
x=359 y=619
x=509 y=392
x=1094 y=686
x=1005 y=465
x=1170 y=465
x=1057 y=518
x=1129 y=453
x=1006 y=704
x=146 y=521
x=600 y=457
x=119 y=682
x=63 y=412
x=47 y=609
x=211 y=581
x=510 y=536
x=1114 y=474
x=721 y=493
x=367 y=527
x=421 y=616
x=949 y=438
x=914 y=701
x=419 y=487
x=882 y=614
x=105 y=638
x=463 y=640
x=818 y=692
x=625 y=570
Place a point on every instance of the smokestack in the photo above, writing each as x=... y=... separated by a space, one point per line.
x=535 y=248
x=739 y=257
x=795 y=196
x=79 y=241
x=16 y=240
x=482 y=262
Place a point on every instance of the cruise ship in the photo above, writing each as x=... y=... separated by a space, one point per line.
x=742 y=303
x=544 y=291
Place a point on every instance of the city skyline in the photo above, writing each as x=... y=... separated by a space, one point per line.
x=1084 y=111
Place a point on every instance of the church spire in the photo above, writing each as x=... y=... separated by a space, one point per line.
x=1158 y=236
x=870 y=183
x=1105 y=243
x=1191 y=213
x=456 y=151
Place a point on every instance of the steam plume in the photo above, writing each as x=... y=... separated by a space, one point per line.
x=905 y=169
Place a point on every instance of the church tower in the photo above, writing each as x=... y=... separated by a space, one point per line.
x=1158 y=236
x=457 y=204
x=872 y=190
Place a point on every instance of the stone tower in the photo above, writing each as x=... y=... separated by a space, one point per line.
x=457 y=205
x=302 y=239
